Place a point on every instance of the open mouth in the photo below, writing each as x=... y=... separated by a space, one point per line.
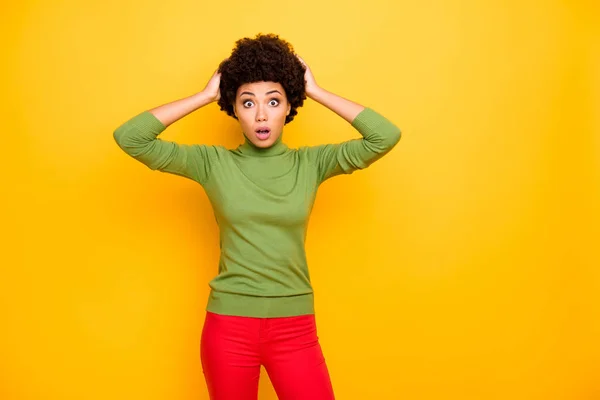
x=263 y=133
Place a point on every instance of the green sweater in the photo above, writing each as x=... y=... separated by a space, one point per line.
x=262 y=200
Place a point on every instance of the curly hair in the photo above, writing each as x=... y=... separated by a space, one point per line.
x=264 y=58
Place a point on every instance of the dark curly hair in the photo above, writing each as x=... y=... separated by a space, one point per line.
x=264 y=58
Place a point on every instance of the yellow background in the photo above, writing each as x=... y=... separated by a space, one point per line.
x=463 y=265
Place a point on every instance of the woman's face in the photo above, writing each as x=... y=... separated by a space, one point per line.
x=261 y=108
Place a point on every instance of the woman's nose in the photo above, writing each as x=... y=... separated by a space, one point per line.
x=261 y=115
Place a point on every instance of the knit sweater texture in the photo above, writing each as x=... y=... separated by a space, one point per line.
x=262 y=199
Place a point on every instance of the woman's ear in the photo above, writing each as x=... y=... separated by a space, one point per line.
x=289 y=109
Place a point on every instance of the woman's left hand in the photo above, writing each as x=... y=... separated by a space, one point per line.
x=311 y=84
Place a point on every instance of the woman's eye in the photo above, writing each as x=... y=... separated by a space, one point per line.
x=250 y=103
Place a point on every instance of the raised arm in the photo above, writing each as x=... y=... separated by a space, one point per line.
x=379 y=135
x=138 y=137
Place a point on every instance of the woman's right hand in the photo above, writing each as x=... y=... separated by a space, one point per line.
x=212 y=87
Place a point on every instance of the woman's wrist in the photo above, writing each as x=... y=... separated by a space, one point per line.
x=313 y=92
x=203 y=98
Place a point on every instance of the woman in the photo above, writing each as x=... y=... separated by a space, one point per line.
x=261 y=307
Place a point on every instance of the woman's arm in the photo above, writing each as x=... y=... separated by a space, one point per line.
x=171 y=112
x=343 y=107
x=138 y=137
x=379 y=135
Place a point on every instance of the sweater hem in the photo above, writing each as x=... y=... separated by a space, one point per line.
x=260 y=307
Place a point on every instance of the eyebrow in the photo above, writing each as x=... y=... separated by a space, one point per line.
x=252 y=94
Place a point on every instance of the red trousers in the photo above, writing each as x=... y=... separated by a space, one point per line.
x=233 y=349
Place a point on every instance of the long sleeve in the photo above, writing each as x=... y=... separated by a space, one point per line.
x=379 y=136
x=138 y=138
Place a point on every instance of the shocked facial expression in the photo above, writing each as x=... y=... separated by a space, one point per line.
x=261 y=108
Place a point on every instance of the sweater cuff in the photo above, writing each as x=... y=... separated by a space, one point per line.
x=147 y=122
x=368 y=119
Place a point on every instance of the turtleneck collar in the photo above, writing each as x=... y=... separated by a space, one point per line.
x=249 y=149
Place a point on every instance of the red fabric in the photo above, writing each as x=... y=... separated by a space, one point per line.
x=233 y=349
